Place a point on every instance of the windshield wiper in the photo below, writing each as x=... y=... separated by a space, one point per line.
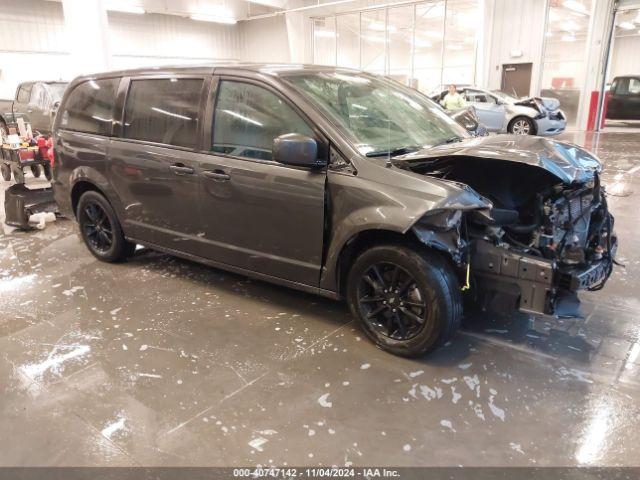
x=449 y=140
x=394 y=152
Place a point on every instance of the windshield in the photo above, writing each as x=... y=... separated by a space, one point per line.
x=379 y=116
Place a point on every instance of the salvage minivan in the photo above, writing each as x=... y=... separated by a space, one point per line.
x=332 y=181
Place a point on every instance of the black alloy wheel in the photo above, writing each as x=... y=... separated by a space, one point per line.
x=391 y=302
x=97 y=228
x=100 y=228
x=406 y=298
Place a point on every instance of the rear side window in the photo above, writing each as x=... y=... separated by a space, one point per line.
x=163 y=111
x=89 y=107
x=248 y=118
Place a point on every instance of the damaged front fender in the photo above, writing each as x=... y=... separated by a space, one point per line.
x=441 y=228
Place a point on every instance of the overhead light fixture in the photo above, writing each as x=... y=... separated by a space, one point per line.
x=454 y=47
x=576 y=6
x=201 y=17
x=126 y=9
x=374 y=39
x=419 y=42
x=379 y=27
x=324 y=33
x=568 y=38
x=626 y=25
x=570 y=26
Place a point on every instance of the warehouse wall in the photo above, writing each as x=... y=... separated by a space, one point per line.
x=517 y=26
x=153 y=39
x=32 y=41
x=625 y=58
x=41 y=50
x=265 y=40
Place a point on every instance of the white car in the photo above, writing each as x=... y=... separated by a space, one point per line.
x=503 y=113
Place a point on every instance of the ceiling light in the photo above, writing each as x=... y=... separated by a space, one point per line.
x=201 y=17
x=568 y=38
x=626 y=25
x=576 y=6
x=379 y=27
x=454 y=47
x=419 y=42
x=126 y=9
x=570 y=26
x=324 y=33
x=373 y=39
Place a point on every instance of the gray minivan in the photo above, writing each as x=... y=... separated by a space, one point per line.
x=336 y=182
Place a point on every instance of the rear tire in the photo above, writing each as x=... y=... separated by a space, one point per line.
x=411 y=305
x=101 y=230
x=47 y=171
x=18 y=174
x=6 y=172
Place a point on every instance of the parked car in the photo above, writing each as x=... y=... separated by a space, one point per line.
x=336 y=182
x=503 y=113
x=35 y=102
x=624 y=98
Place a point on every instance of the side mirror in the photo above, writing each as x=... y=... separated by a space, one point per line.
x=296 y=149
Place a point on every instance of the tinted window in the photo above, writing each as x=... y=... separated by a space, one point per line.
x=24 y=92
x=89 y=107
x=163 y=111
x=627 y=86
x=248 y=118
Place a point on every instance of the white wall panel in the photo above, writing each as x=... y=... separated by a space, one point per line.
x=33 y=43
x=170 y=37
x=625 y=59
x=265 y=40
x=518 y=27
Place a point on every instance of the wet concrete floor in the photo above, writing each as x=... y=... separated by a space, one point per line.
x=160 y=361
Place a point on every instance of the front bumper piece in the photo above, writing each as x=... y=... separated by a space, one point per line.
x=517 y=281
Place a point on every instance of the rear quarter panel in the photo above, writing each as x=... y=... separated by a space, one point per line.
x=80 y=157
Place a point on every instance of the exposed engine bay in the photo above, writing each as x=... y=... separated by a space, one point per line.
x=541 y=242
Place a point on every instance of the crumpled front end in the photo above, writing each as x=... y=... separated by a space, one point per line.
x=538 y=239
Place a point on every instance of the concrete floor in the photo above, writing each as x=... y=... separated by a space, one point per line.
x=160 y=361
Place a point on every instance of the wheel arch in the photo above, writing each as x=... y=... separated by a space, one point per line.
x=369 y=238
x=78 y=189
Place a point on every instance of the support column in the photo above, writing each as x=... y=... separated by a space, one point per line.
x=87 y=35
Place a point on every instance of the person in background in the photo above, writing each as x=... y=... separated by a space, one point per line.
x=453 y=100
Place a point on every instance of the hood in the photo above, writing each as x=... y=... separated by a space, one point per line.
x=569 y=162
x=466 y=117
x=547 y=103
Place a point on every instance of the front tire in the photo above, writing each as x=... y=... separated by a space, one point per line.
x=522 y=126
x=407 y=301
x=101 y=230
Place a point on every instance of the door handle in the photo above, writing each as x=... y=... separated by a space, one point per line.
x=217 y=175
x=180 y=169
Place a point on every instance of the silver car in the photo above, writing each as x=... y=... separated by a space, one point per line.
x=503 y=113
